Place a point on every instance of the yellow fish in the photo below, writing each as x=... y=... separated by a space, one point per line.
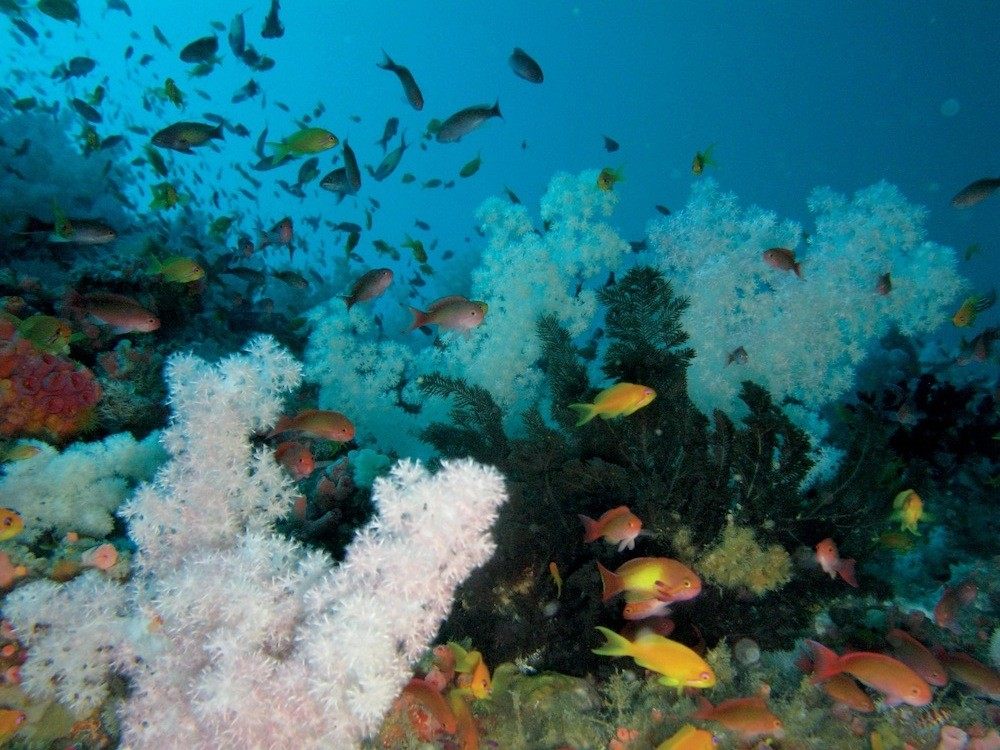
x=177 y=268
x=702 y=159
x=679 y=666
x=475 y=675
x=608 y=177
x=619 y=400
x=689 y=737
x=908 y=507
x=11 y=524
x=971 y=308
x=305 y=141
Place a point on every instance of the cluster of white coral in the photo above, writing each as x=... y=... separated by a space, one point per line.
x=80 y=488
x=232 y=635
x=804 y=338
x=523 y=273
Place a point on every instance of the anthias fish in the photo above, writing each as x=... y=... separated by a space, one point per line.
x=524 y=66
x=410 y=88
x=465 y=121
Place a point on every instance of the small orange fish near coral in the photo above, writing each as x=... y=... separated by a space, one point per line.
x=321 y=423
x=651 y=578
x=620 y=400
x=783 y=260
x=748 y=717
x=844 y=690
x=917 y=657
x=296 y=457
x=689 y=737
x=951 y=601
x=898 y=682
x=11 y=524
x=829 y=559
x=10 y=720
x=617 y=526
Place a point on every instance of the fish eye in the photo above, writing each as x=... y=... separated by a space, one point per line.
x=703 y=676
x=7 y=521
x=687 y=583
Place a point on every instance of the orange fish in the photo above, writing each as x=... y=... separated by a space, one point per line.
x=296 y=457
x=689 y=737
x=10 y=720
x=651 y=578
x=431 y=707
x=451 y=313
x=618 y=400
x=951 y=601
x=474 y=675
x=11 y=524
x=843 y=689
x=971 y=673
x=641 y=609
x=783 y=260
x=917 y=657
x=677 y=665
x=829 y=559
x=122 y=313
x=617 y=526
x=898 y=682
x=321 y=423
x=748 y=717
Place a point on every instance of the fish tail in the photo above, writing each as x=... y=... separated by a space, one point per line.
x=611 y=583
x=586 y=412
x=797 y=268
x=387 y=63
x=985 y=302
x=826 y=663
x=614 y=644
x=846 y=570
x=153 y=266
x=705 y=708
x=281 y=426
x=591 y=530
x=281 y=150
x=219 y=132
x=419 y=318
x=495 y=109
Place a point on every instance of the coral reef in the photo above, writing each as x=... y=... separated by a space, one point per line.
x=42 y=394
x=737 y=561
x=230 y=633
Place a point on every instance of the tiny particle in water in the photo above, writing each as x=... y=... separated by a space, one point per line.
x=950 y=107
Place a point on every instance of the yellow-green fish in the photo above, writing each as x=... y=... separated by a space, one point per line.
x=703 y=159
x=620 y=400
x=972 y=307
x=11 y=524
x=177 y=269
x=172 y=91
x=608 y=177
x=471 y=167
x=165 y=196
x=305 y=141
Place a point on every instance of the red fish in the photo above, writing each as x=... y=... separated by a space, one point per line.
x=748 y=717
x=296 y=457
x=917 y=657
x=617 y=526
x=971 y=673
x=898 y=682
x=321 y=423
x=843 y=689
x=280 y=234
x=783 y=260
x=951 y=601
x=829 y=559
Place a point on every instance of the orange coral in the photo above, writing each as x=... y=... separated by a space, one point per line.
x=42 y=394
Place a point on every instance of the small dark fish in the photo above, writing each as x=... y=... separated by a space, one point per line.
x=738 y=355
x=884 y=284
x=352 y=169
x=511 y=195
x=471 y=167
x=971 y=251
x=309 y=170
x=337 y=182
x=120 y=5
x=160 y=37
x=85 y=111
x=256 y=60
x=217 y=25
x=292 y=278
x=524 y=66
x=610 y=144
x=391 y=160
x=421 y=225
x=75 y=68
x=61 y=10
x=129 y=51
x=407 y=178
x=354 y=118
x=662 y=209
x=434 y=182
x=249 y=275
x=410 y=87
x=25 y=28
x=241 y=130
x=269 y=162
x=181 y=136
x=200 y=50
x=256 y=183
x=369 y=219
x=145 y=60
x=25 y=104
x=248 y=91
x=238 y=35
x=283 y=106
x=272 y=24
x=111 y=141
x=465 y=121
x=352 y=242
x=156 y=161
x=975 y=192
x=391 y=127
x=638 y=246
x=347 y=226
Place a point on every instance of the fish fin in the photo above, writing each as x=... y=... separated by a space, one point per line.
x=281 y=150
x=591 y=530
x=387 y=63
x=219 y=131
x=611 y=583
x=586 y=412
x=495 y=110
x=153 y=265
x=797 y=267
x=419 y=318
x=705 y=708
x=846 y=570
x=614 y=645
x=826 y=663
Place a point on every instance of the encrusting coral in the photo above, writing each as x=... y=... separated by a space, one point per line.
x=230 y=633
